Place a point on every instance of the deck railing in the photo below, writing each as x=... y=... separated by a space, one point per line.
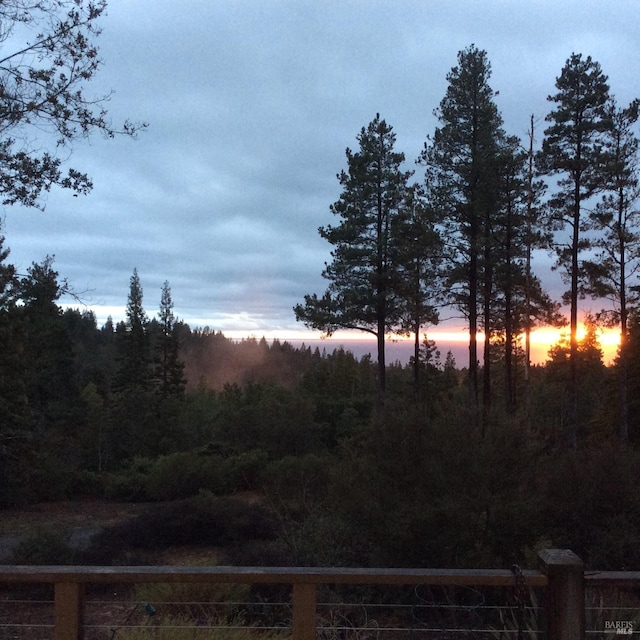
x=561 y=577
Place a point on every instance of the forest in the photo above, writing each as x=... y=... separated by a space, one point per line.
x=361 y=462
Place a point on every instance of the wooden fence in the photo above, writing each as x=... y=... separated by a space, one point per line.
x=561 y=577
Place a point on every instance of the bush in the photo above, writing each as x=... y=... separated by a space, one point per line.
x=592 y=506
x=86 y=483
x=130 y=483
x=244 y=471
x=201 y=520
x=183 y=474
x=44 y=547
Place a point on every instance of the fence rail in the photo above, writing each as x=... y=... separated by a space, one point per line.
x=561 y=577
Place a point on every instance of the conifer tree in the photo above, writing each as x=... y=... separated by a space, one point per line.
x=517 y=300
x=169 y=368
x=53 y=396
x=538 y=235
x=462 y=183
x=362 y=293
x=616 y=221
x=15 y=442
x=417 y=258
x=574 y=150
x=133 y=421
x=134 y=348
x=509 y=268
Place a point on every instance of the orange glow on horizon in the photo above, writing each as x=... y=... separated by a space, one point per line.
x=542 y=339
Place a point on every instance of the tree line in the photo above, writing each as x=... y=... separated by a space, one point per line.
x=79 y=399
x=465 y=235
x=357 y=461
x=150 y=410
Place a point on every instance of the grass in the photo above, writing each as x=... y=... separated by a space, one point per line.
x=192 y=612
x=183 y=629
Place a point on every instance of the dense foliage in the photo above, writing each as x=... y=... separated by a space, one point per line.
x=337 y=460
x=337 y=480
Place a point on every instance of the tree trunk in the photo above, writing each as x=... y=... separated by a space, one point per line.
x=508 y=323
x=527 y=293
x=382 y=366
x=572 y=426
x=487 y=292
x=473 y=320
x=416 y=362
x=623 y=391
x=623 y=365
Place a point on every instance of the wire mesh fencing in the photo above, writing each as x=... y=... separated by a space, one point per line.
x=179 y=611
x=26 y=611
x=612 y=611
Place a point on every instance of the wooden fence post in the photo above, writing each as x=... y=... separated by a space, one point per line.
x=304 y=612
x=68 y=606
x=564 y=596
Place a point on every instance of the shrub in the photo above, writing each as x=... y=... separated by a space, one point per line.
x=130 y=483
x=86 y=483
x=183 y=474
x=200 y=520
x=43 y=547
x=244 y=471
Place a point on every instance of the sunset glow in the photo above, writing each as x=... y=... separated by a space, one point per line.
x=452 y=338
x=456 y=339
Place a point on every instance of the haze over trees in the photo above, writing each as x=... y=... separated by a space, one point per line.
x=355 y=461
x=342 y=481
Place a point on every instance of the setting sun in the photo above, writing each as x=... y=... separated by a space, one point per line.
x=545 y=338
x=453 y=338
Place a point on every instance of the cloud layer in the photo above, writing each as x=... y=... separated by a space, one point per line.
x=251 y=105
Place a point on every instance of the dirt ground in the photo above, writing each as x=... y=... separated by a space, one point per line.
x=68 y=514
x=79 y=519
x=22 y=617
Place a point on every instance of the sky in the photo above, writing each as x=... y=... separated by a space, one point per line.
x=251 y=105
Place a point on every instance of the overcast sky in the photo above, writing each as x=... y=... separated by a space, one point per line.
x=251 y=105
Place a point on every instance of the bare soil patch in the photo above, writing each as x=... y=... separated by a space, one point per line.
x=67 y=515
x=79 y=519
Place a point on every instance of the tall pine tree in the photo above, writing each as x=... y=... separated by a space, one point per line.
x=362 y=293
x=133 y=428
x=134 y=352
x=462 y=183
x=616 y=219
x=574 y=149
x=517 y=299
x=417 y=258
x=170 y=370
x=51 y=384
x=15 y=437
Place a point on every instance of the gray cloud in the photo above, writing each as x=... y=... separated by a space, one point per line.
x=251 y=106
